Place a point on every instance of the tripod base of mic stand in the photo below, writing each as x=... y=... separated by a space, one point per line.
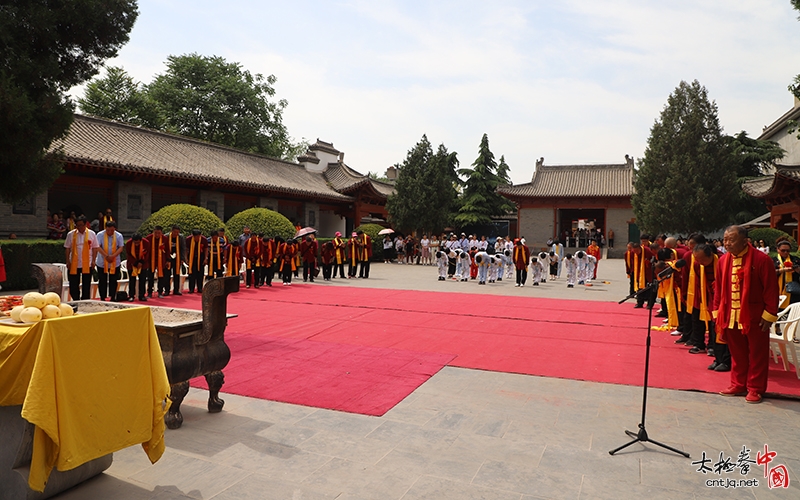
x=641 y=437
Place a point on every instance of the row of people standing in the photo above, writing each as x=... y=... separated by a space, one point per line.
x=721 y=305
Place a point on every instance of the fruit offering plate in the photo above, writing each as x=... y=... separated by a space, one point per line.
x=9 y=302
x=6 y=321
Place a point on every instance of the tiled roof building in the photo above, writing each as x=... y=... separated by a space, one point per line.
x=561 y=198
x=137 y=171
x=781 y=192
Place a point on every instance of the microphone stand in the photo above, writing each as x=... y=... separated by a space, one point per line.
x=641 y=436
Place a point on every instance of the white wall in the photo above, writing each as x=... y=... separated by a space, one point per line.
x=329 y=223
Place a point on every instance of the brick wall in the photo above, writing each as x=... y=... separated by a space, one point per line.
x=25 y=225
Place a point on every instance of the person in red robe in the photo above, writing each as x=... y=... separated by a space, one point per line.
x=327 y=254
x=233 y=259
x=2 y=268
x=158 y=273
x=745 y=307
x=352 y=256
x=197 y=246
x=521 y=258
x=287 y=253
x=364 y=244
x=340 y=254
x=138 y=263
x=641 y=269
x=595 y=251
x=308 y=252
x=252 y=254
x=269 y=259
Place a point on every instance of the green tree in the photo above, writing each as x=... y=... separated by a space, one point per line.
x=687 y=179
x=47 y=47
x=752 y=158
x=408 y=200
x=213 y=100
x=481 y=200
x=117 y=96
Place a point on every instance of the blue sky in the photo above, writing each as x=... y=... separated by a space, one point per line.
x=570 y=81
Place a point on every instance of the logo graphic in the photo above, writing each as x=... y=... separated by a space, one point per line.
x=776 y=476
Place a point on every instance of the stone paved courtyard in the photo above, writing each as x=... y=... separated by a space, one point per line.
x=464 y=434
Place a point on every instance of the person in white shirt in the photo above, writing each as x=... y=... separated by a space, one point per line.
x=538 y=270
x=571 y=266
x=466 y=262
x=583 y=266
x=80 y=248
x=482 y=245
x=483 y=262
x=592 y=264
x=558 y=249
x=441 y=261
x=495 y=267
x=425 y=244
x=499 y=245
x=110 y=245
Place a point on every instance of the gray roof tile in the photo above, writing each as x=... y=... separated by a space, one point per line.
x=575 y=181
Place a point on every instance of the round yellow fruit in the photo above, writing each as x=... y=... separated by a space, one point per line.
x=66 y=310
x=52 y=298
x=16 y=312
x=50 y=311
x=30 y=315
x=34 y=299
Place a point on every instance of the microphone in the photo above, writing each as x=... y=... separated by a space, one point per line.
x=666 y=273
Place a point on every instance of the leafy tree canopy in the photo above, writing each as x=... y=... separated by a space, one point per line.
x=425 y=193
x=205 y=97
x=185 y=216
x=752 y=158
x=261 y=221
x=47 y=47
x=687 y=179
x=481 y=200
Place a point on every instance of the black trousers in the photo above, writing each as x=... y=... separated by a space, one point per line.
x=287 y=273
x=326 y=271
x=352 y=269
x=252 y=276
x=451 y=266
x=80 y=286
x=196 y=281
x=142 y=279
x=175 y=272
x=217 y=273
x=107 y=284
x=340 y=267
x=522 y=276
x=649 y=297
x=161 y=284
x=309 y=269
x=363 y=269
x=267 y=274
x=721 y=352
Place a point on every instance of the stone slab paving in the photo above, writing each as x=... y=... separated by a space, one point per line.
x=464 y=434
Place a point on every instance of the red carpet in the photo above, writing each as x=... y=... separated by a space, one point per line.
x=296 y=344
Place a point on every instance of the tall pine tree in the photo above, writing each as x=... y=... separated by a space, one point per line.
x=425 y=192
x=687 y=178
x=481 y=200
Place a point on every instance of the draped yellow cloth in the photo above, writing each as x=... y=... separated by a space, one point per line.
x=91 y=385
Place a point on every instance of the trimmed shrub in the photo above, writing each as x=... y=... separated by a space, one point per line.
x=187 y=217
x=261 y=220
x=377 y=240
x=770 y=236
x=20 y=254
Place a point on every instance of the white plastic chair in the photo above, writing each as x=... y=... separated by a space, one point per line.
x=64 y=281
x=124 y=277
x=789 y=319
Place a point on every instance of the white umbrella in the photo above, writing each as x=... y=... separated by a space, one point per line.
x=386 y=231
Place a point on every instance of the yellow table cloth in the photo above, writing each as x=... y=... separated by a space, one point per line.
x=92 y=384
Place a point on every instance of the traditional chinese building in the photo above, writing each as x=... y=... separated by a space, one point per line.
x=561 y=198
x=136 y=171
x=781 y=192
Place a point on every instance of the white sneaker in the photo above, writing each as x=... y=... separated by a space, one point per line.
x=675 y=333
x=517 y=284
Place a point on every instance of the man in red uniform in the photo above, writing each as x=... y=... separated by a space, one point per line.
x=327 y=255
x=269 y=257
x=176 y=249
x=521 y=257
x=233 y=259
x=252 y=253
x=641 y=268
x=138 y=263
x=339 y=255
x=308 y=252
x=157 y=275
x=352 y=256
x=364 y=243
x=287 y=251
x=197 y=246
x=745 y=306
